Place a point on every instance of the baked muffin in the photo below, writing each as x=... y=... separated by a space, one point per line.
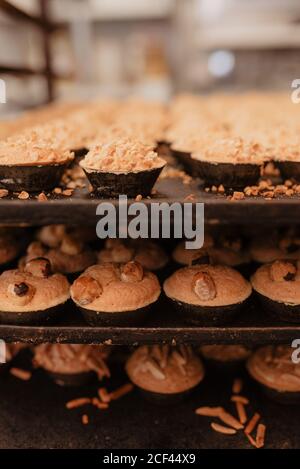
x=123 y=166
x=164 y=373
x=149 y=254
x=52 y=235
x=233 y=162
x=225 y=358
x=231 y=251
x=270 y=247
x=33 y=295
x=10 y=247
x=72 y=364
x=207 y=294
x=277 y=286
x=69 y=257
x=272 y=367
x=183 y=256
x=29 y=164
x=115 y=294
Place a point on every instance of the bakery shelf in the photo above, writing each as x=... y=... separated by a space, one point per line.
x=122 y=425
x=81 y=207
x=251 y=328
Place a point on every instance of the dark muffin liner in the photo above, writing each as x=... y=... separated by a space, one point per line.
x=227 y=174
x=282 y=397
x=289 y=169
x=198 y=315
x=188 y=163
x=72 y=379
x=280 y=311
x=130 y=184
x=166 y=399
x=31 y=178
x=125 y=318
x=48 y=315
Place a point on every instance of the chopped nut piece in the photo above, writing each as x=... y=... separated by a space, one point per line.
x=260 y=435
x=238 y=195
x=241 y=412
x=24 y=375
x=67 y=192
x=237 y=386
x=230 y=420
x=23 y=195
x=282 y=270
x=242 y=399
x=3 y=193
x=251 y=439
x=221 y=189
x=75 y=403
x=139 y=198
x=222 y=429
x=121 y=391
x=42 y=197
x=104 y=395
x=132 y=272
x=209 y=411
x=57 y=190
x=214 y=189
x=252 y=423
x=86 y=289
x=85 y=419
x=204 y=286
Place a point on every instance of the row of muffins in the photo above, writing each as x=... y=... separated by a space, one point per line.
x=123 y=291
x=167 y=373
x=223 y=139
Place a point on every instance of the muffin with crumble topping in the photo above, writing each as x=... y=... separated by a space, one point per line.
x=116 y=294
x=27 y=163
x=124 y=166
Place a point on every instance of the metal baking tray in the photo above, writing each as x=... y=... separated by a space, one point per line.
x=251 y=328
x=81 y=206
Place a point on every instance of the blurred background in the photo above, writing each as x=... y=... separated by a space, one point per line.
x=52 y=49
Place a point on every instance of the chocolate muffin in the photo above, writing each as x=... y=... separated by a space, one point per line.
x=149 y=254
x=163 y=373
x=225 y=358
x=123 y=166
x=72 y=364
x=29 y=164
x=33 y=295
x=233 y=162
x=277 y=286
x=116 y=294
x=69 y=257
x=272 y=367
x=207 y=294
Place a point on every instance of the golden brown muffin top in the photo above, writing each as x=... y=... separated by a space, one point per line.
x=165 y=369
x=278 y=281
x=33 y=289
x=72 y=358
x=207 y=285
x=113 y=287
x=272 y=366
x=148 y=253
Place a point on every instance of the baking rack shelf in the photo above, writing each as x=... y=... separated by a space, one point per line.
x=251 y=328
x=81 y=207
x=123 y=424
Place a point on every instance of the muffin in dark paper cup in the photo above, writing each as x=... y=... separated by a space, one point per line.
x=70 y=257
x=230 y=250
x=277 y=286
x=232 y=162
x=33 y=295
x=148 y=253
x=31 y=165
x=124 y=166
x=275 y=372
x=207 y=295
x=227 y=359
x=72 y=364
x=116 y=294
x=165 y=374
x=275 y=245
